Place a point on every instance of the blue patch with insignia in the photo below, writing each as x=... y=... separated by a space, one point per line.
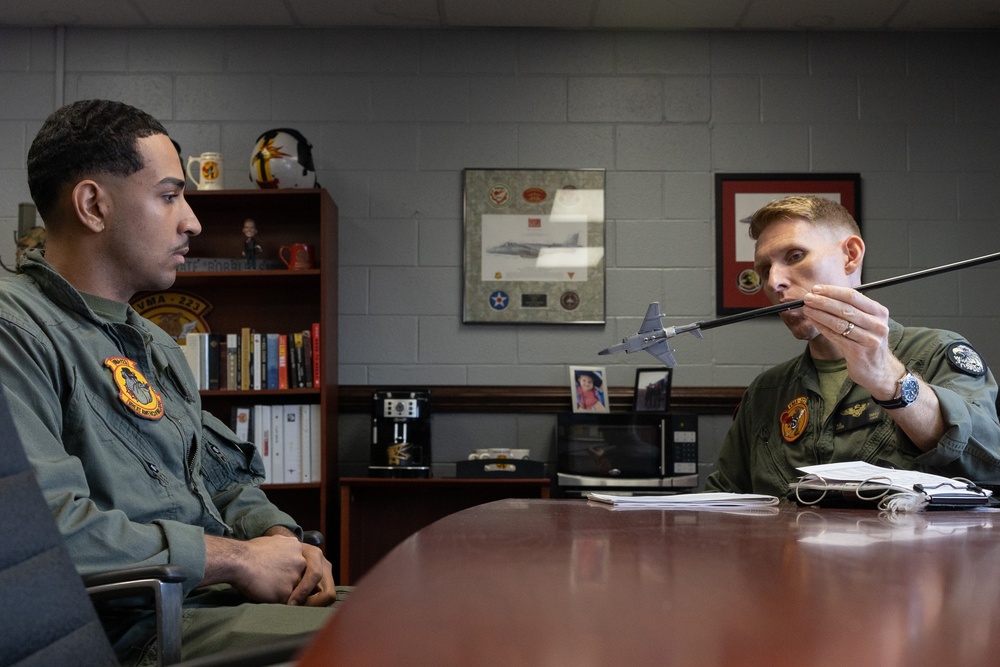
x=966 y=360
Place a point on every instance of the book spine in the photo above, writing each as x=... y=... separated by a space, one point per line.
x=277 y=444
x=317 y=375
x=272 y=361
x=232 y=361
x=307 y=357
x=190 y=349
x=214 y=361
x=316 y=441
x=241 y=422
x=262 y=366
x=282 y=361
x=305 y=436
x=203 y=361
x=259 y=440
x=255 y=362
x=246 y=348
x=292 y=455
x=299 y=361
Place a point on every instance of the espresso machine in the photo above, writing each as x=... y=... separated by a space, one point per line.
x=401 y=434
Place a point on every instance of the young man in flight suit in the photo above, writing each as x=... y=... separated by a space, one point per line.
x=135 y=472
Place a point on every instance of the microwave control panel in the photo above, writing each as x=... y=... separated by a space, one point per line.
x=684 y=443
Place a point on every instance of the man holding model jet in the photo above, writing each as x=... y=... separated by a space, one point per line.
x=866 y=388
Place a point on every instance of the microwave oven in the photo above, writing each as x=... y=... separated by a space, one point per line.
x=640 y=451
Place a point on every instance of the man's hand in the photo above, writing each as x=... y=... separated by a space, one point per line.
x=265 y=569
x=870 y=362
x=274 y=568
x=856 y=329
x=316 y=588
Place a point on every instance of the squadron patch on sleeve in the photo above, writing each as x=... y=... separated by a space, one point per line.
x=966 y=360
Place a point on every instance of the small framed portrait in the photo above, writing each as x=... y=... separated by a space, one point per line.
x=587 y=389
x=652 y=389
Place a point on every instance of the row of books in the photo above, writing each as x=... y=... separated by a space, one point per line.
x=250 y=360
x=288 y=437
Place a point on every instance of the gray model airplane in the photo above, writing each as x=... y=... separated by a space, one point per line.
x=652 y=337
x=531 y=250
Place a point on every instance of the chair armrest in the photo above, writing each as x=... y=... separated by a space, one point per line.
x=165 y=573
x=163 y=584
x=313 y=537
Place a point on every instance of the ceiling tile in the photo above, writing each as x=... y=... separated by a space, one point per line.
x=674 y=15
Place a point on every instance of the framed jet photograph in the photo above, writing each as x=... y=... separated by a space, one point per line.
x=737 y=198
x=534 y=246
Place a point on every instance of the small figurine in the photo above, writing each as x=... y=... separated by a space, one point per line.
x=250 y=245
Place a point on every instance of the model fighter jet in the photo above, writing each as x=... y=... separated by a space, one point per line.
x=653 y=338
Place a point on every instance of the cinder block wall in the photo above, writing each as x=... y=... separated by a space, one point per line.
x=395 y=115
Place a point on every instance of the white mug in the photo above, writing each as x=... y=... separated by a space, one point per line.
x=209 y=172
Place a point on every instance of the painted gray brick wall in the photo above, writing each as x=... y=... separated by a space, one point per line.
x=395 y=115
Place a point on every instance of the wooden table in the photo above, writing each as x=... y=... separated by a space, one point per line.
x=567 y=582
x=377 y=513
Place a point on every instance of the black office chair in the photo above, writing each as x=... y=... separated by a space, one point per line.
x=46 y=616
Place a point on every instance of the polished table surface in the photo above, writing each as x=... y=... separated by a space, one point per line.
x=574 y=583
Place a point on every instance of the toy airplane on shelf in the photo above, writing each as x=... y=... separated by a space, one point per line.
x=653 y=338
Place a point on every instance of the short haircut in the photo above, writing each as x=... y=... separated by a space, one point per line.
x=816 y=210
x=85 y=138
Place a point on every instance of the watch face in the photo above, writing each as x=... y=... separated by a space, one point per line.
x=909 y=389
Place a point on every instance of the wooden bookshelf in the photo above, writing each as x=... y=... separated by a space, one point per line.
x=275 y=300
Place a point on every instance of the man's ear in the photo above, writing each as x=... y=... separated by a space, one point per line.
x=854 y=254
x=89 y=205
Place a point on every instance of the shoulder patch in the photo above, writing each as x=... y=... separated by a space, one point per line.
x=966 y=360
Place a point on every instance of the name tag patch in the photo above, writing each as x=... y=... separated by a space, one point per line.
x=857 y=415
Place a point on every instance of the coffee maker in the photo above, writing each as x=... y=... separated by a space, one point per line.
x=401 y=434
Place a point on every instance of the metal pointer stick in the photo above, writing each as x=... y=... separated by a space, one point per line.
x=791 y=305
x=652 y=337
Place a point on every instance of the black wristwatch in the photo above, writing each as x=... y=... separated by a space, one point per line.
x=908 y=390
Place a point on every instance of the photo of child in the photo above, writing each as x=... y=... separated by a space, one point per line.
x=587 y=389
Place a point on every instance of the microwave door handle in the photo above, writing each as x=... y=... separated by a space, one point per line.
x=663 y=447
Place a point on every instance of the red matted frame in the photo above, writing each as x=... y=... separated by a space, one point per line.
x=737 y=196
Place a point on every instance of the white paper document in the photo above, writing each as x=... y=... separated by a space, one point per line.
x=709 y=500
x=899 y=480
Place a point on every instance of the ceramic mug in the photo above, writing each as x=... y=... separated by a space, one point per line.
x=209 y=172
x=297 y=256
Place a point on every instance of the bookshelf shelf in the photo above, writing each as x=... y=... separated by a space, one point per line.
x=274 y=300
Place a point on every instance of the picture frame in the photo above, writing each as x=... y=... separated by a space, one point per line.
x=588 y=389
x=737 y=196
x=534 y=246
x=652 y=389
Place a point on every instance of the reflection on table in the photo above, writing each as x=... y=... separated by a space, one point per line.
x=567 y=582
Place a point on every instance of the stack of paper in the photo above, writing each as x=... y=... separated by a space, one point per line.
x=690 y=501
x=867 y=482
